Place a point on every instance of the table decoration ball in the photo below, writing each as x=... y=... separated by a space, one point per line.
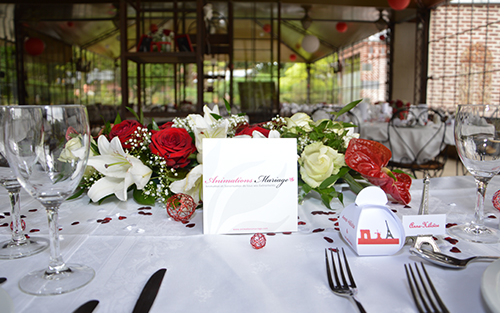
x=180 y=207
x=23 y=225
x=496 y=200
x=258 y=241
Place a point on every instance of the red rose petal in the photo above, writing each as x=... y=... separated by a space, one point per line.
x=453 y=241
x=455 y=250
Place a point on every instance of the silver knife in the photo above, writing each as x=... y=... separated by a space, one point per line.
x=87 y=307
x=149 y=292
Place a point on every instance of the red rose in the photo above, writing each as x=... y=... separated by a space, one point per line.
x=124 y=131
x=166 y=125
x=173 y=144
x=250 y=129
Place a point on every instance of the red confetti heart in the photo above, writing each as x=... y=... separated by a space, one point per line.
x=453 y=241
x=122 y=217
x=455 y=250
x=330 y=240
x=75 y=223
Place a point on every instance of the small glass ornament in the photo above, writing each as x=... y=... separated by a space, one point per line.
x=496 y=200
x=258 y=241
x=180 y=207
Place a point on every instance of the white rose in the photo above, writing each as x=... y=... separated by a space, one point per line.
x=301 y=120
x=318 y=162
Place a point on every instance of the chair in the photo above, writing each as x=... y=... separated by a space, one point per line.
x=414 y=157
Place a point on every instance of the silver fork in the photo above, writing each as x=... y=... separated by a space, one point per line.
x=345 y=288
x=424 y=300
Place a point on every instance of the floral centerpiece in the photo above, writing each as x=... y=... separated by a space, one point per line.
x=156 y=162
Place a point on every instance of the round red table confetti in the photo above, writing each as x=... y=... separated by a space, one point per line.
x=258 y=241
x=180 y=207
x=496 y=200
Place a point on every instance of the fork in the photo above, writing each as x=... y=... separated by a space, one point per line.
x=344 y=289
x=431 y=303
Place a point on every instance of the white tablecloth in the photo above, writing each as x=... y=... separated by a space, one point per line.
x=223 y=273
x=410 y=140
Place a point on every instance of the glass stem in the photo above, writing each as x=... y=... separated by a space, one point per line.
x=56 y=263
x=481 y=192
x=17 y=228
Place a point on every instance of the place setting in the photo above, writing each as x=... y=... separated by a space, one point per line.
x=247 y=206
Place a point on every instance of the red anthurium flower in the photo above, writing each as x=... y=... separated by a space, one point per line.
x=369 y=158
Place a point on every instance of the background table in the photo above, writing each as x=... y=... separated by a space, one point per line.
x=414 y=139
x=223 y=273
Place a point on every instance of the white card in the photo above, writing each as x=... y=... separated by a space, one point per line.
x=428 y=224
x=249 y=185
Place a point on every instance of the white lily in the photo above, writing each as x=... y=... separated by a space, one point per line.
x=207 y=127
x=121 y=170
x=191 y=185
x=258 y=134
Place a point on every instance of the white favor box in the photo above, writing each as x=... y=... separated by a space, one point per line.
x=369 y=226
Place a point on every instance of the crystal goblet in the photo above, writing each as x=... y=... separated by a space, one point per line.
x=477 y=138
x=47 y=147
x=18 y=246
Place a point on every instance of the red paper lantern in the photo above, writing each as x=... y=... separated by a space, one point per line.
x=341 y=27
x=293 y=57
x=398 y=4
x=382 y=37
x=34 y=46
x=180 y=207
x=258 y=241
x=266 y=28
x=153 y=28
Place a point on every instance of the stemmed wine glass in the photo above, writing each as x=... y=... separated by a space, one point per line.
x=18 y=246
x=48 y=147
x=477 y=139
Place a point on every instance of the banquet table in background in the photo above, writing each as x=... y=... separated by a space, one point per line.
x=223 y=273
x=414 y=138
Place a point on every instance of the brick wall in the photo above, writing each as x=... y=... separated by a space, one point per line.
x=464 y=55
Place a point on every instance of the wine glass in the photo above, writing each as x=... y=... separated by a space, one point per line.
x=477 y=139
x=18 y=246
x=48 y=147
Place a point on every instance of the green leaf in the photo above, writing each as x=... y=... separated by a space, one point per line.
x=347 y=108
x=134 y=114
x=403 y=172
x=77 y=194
x=216 y=116
x=104 y=198
x=118 y=119
x=154 y=126
x=228 y=106
x=141 y=198
x=332 y=179
x=355 y=186
x=326 y=199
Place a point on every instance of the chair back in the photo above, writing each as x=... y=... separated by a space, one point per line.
x=417 y=142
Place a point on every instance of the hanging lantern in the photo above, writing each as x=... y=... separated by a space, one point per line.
x=341 y=27
x=34 y=46
x=310 y=43
x=293 y=57
x=398 y=4
x=382 y=37
x=266 y=28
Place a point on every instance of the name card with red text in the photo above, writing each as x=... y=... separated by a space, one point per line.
x=249 y=185
x=429 y=224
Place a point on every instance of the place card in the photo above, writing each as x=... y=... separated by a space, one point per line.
x=427 y=224
x=249 y=185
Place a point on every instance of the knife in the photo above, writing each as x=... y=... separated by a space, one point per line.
x=149 y=292
x=87 y=307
